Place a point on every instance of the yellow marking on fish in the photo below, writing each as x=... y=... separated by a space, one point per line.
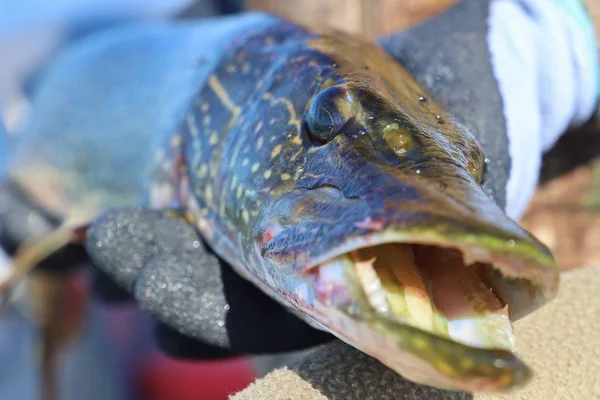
x=285 y=176
x=206 y=120
x=175 y=141
x=258 y=127
x=245 y=162
x=299 y=59
x=259 y=143
x=215 y=85
x=191 y=124
x=222 y=209
x=291 y=110
x=313 y=63
x=208 y=195
x=239 y=192
x=272 y=121
x=296 y=154
x=329 y=82
x=267 y=174
x=276 y=151
x=466 y=363
x=255 y=167
x=419 y=343
x=213 y=139
x=202 y=171
x=266 y=96
x=245 y=216
x=446 y=368
x=297 y=140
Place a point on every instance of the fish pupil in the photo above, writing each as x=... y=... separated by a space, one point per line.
x=323 y=120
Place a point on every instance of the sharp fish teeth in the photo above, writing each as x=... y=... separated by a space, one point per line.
x=439 y=294
x=475 y=315
x=371 y=284
x=417 y=298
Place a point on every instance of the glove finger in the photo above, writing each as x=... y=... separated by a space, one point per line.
x=188 y=288
x=121 y=241
x=185 y=291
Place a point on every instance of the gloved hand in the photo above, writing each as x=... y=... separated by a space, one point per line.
x=470 y=58
x=171 y=273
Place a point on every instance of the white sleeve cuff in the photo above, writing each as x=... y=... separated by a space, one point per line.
x=545 y=60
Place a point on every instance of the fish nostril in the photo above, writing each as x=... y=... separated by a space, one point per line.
x=478 y=167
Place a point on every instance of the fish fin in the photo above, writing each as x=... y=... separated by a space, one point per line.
x=35 y=250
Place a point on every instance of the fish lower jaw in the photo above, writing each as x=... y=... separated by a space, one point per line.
x=423 y=359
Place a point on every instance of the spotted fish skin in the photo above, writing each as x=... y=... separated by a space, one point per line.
x=275 y=201
x=304 y=145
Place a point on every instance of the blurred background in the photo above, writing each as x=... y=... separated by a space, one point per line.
x=110 y=354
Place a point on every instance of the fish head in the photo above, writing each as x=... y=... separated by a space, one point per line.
x=386 y=238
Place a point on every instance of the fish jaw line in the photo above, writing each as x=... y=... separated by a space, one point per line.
x=417 y=354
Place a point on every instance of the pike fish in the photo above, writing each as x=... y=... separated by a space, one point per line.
x=313 y=163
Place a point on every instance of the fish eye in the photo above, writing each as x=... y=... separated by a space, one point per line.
x=323 y=119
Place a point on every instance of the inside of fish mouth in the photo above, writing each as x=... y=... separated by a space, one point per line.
x=425 y=286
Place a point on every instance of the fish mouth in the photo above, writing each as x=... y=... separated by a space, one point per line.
x=426 y=280
x=437 y=311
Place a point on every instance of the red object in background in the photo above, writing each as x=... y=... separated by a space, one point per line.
x=165 y=378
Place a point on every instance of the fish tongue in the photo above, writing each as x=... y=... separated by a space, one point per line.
x=475 y=315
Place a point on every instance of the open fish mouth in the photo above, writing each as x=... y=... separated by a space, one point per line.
x=430 y=296
x=438 y=313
